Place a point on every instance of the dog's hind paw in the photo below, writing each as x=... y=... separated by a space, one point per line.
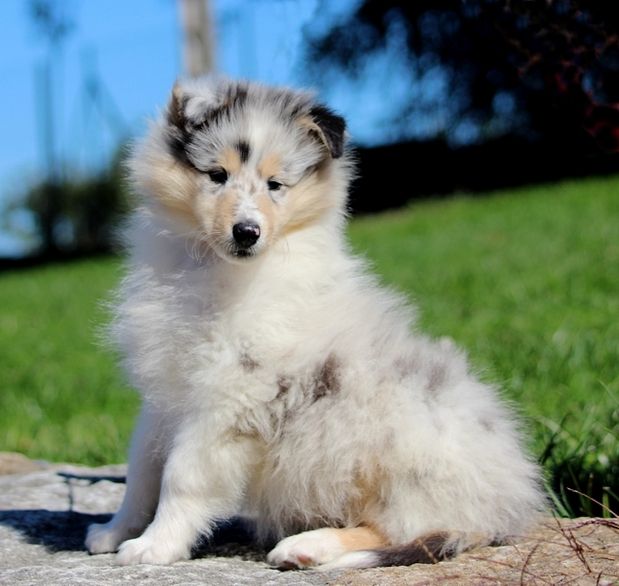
x=306 y=550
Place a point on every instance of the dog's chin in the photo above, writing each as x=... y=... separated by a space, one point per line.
x=243 y=255
x=238 y=255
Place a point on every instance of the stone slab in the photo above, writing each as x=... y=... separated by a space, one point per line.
x=45 y=509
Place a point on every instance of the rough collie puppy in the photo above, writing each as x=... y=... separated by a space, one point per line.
x=280 y=381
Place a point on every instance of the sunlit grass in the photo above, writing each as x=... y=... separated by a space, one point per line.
x=62 y=397
x=527 y=281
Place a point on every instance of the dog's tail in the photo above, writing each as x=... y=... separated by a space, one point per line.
x=430 y=548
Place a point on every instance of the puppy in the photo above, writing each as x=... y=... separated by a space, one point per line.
x=280 y=382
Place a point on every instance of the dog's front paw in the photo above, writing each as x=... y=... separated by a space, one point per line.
x=305 y=550
x=144 y=550
x=104 y=538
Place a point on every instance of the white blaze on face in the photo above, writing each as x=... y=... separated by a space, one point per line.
x=246 y=209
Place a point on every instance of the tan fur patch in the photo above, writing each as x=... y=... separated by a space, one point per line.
x=175 y=187
x=224 y=215
x=230 y=160
x=364 y=537
x=270 y=166
x=366 y=501
x=309 y=123
x=307 y=202
x=267 y=209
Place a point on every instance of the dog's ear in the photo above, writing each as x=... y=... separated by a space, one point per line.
x=192 y=107
x=328 y=127
x=188 y=109
x=178 y=129
x=176 y=108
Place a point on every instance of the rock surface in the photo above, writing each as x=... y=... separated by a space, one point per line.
x=45 y=509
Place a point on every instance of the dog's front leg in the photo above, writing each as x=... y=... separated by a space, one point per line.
x=143 y=483
x=204 y=480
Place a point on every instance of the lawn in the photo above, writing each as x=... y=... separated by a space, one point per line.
x=62 y=396
x=526 y=280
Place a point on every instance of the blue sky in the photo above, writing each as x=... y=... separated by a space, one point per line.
x=135 y=49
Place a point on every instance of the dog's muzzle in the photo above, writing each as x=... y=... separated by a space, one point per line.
x=245 y=234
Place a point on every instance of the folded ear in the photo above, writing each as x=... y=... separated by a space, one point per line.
x=194 y=106
x=176 y=107
x=188 y=108
x=328 y=127
x=197 y=104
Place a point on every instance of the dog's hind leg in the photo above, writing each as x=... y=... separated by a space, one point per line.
x=143 y=483
x=321 y=546
x=365 y=547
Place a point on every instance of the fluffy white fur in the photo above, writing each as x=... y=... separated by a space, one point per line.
x=284 y=383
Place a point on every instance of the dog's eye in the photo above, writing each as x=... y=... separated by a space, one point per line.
x=219 y=176
x=273 y=185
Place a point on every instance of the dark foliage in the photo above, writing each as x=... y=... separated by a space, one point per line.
x=557 y=61
x=392 y=175
x=75 y=216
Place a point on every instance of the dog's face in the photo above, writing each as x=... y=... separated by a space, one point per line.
x=242 y=164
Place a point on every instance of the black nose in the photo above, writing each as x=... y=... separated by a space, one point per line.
x=246 y=234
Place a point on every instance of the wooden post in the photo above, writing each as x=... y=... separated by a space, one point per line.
x=198 y=32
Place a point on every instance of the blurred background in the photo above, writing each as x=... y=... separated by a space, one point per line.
x=468 y=96
x=487 y=139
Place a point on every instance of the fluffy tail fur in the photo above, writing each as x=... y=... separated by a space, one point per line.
x=427 y=549
x=364 y=547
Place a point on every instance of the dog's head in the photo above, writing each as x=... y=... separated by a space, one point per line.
x=241 y=164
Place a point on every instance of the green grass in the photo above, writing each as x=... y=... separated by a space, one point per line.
x=62 y=397
x=526 y=280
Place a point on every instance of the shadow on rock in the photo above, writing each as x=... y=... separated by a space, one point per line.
x=56 y=530
x=233 y=538
x=66 y=531
x=92 y=478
